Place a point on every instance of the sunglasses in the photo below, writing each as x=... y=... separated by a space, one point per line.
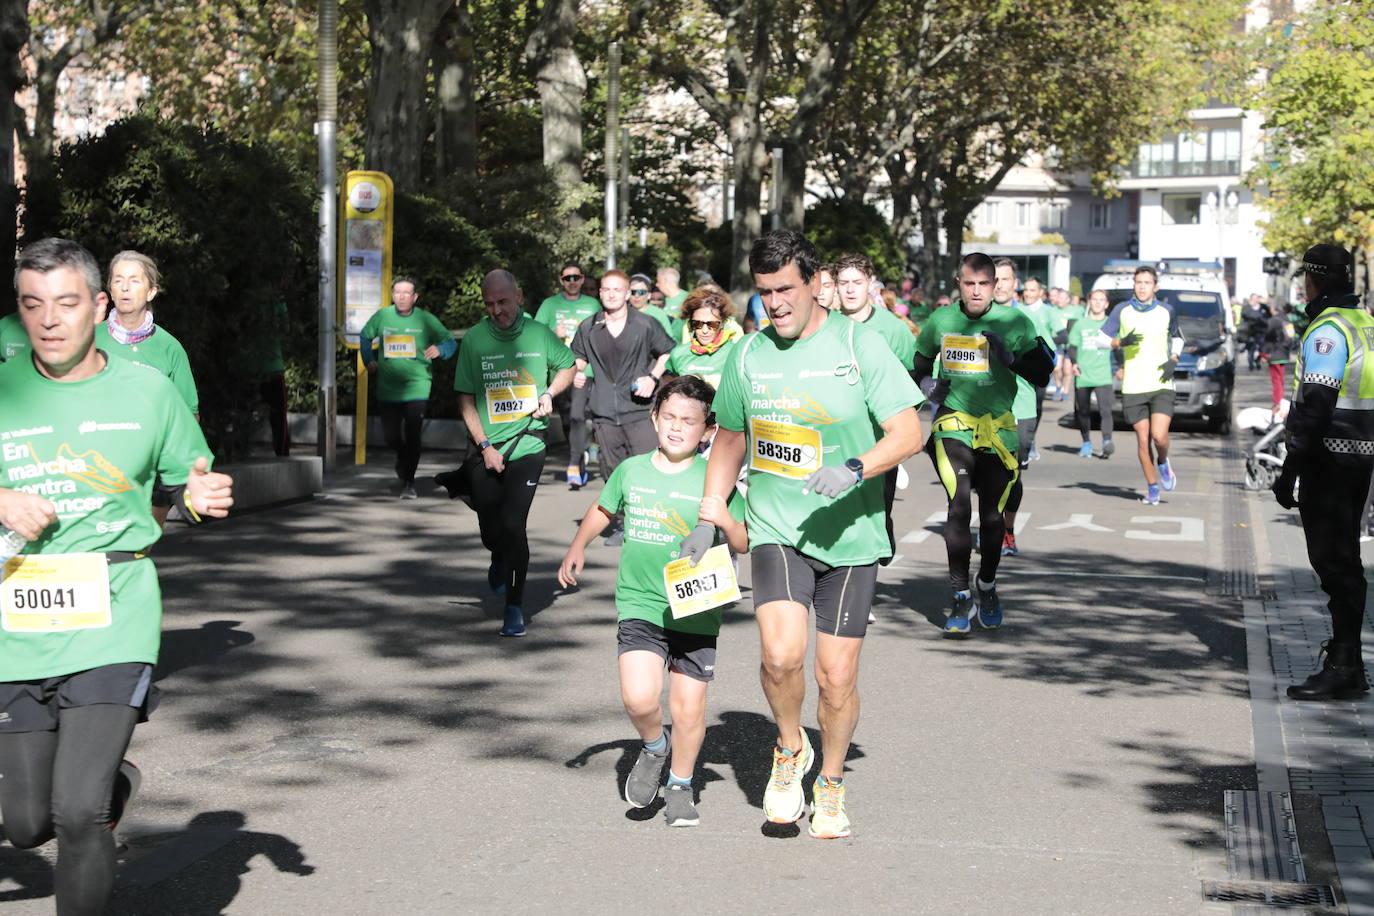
x=639 y=292
x=571 y=277
x=698 y=325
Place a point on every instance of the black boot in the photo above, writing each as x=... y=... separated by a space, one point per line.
x=1342 y=676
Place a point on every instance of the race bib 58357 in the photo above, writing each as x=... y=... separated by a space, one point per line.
x=709 y=584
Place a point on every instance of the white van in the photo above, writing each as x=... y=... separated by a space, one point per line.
x=1206 y=372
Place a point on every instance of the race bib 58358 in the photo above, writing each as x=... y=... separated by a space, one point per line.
x=55 y=593
x=785 y=449
x=508 y=403
x=961 y=355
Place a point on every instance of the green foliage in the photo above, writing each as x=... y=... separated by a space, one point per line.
x=232 y=230
x=1075 y=286
x=1319 y=118
x=839 y=226
x=1050 y=238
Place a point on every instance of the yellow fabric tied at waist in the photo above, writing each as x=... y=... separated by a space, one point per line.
x=985 y=431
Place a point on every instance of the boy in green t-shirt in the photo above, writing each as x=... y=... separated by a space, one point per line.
x=659 y=494
x=1090 y=354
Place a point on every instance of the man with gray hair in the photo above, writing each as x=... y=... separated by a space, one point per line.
x=509 y=371
x=673 y=294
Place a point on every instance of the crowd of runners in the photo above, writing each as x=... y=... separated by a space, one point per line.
x=779 y=433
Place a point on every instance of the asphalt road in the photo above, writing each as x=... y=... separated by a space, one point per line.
x=343 y=731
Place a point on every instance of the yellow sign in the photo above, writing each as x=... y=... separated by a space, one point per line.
x=508 y=403
x=963 y=355
x=785 y=449
x=55 y=593
x=709 y=584
x=399 y=346
x=366 y=204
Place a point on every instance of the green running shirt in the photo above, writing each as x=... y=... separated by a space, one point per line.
x=162 y=352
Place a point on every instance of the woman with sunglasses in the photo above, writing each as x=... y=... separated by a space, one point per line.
x=708 y=314
x=640 y=288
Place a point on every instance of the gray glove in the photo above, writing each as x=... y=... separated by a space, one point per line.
x=702 y=539
x=935 y=389
x=997 y=348
x=830 y=481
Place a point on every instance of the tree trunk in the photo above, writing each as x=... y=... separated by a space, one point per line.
x=402 y=36
x=14 y=35
x=562 y=89
x=794 y=163
x=903 y=221
x=750 y=159
x=455 y=128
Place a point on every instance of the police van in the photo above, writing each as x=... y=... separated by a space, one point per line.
x=1205 y=376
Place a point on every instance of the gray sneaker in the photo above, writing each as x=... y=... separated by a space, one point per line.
x=678 y=807
x=645 y=779
x=409 y=493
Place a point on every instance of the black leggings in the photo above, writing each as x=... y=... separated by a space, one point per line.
x=401 y=425
x=59 y=783
x=502 y=502
x=1082 y=404
x=964 y=471
x=572 y=411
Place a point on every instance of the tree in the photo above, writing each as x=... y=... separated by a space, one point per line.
x=562 y=88
x=1318 y=105
x=14 y=35
x=455 y=105
x=402 y=36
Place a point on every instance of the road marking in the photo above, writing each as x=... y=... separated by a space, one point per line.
x=1081 y=575
x=1189 y=529
x=920 y=535
x=1082 y=520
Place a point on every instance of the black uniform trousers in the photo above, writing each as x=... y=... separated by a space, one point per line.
x=1331 y=506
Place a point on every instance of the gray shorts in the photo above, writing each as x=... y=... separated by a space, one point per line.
x=32 y=706
x=1137 y=407
x=841 y=596
x=692 y=654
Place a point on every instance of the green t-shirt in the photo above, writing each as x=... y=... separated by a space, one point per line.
x=806 y=403
x=562 y=316
x=682 y=361
x=669 y=324
x=507 y=372
x=14 y=340
x=1094 y=352
x=404 y=373
x=1024 y=407
x=162 y=352
x=93 y=448
x=979 y=385
x=673 y=304
x=660 y=510
x=893 y=330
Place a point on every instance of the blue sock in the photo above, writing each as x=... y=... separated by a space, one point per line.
x=676 y=780
x=657 y=746
x=830 y=782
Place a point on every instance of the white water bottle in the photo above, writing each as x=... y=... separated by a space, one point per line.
x=12 y=544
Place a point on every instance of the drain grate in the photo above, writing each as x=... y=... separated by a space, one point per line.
x=1238 y=575
x=1269 y=893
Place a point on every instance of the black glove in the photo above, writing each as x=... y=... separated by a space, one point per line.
x=831 y=481
x=935 y=389
x=1283 y=489
x=1130 y=340
x=1166 y=368
x=695 y=545
x=997 y=348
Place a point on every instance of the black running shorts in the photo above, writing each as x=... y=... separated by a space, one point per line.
x=692 y=654
x=32 y=706
x=841 y=596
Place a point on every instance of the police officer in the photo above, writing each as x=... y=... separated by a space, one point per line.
x=1331 y=447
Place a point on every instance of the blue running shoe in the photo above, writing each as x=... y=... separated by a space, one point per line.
x=1085 y=450
x=989 y=608
x=1166 y=475
x=1151 y=497
x=960 y=612
x=514 y=624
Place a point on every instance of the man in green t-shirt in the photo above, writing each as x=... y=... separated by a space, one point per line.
x=820 y=407
x=674 y=295
x=82 y=438
x=1090 y=354
x=13 y=339
x=409 y=339
x=981 y=349
x=562 y=313
x=509 y=372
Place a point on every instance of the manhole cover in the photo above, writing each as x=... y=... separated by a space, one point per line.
x=1269 y=893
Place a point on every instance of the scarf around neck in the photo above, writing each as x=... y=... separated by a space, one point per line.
x=137 y=335
x=701 y=349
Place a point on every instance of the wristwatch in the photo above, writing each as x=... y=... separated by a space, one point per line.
x=857 y=466
x=484 y=445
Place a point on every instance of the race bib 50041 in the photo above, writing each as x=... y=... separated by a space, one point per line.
x=398 y=346
x=507 y=403
x=55 y=593
x=709 y=584
x=784 y=449
x=961 y=355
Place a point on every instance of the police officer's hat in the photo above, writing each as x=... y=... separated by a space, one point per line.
x=1326 y=261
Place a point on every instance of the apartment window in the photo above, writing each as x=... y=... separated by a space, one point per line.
x=1054 y=215
x=1181 y=209
x=1023 y=214
x=1156 y=160
x=1226 y=149
x=1192 y=154
x=992 y=212
x=1100 y=216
